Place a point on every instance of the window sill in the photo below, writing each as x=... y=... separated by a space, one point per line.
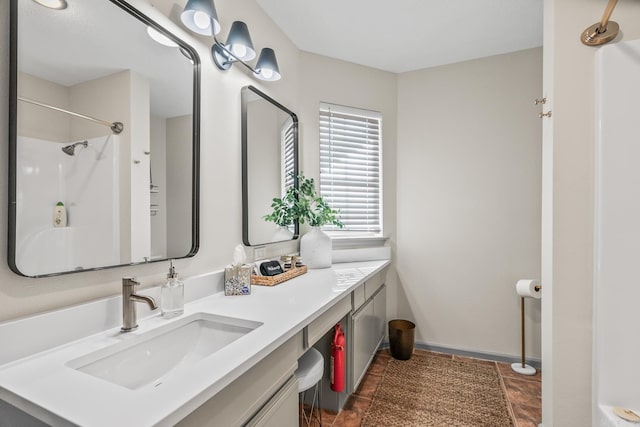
x=355 y=241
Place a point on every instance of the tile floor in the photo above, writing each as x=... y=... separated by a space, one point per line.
x=524 y=393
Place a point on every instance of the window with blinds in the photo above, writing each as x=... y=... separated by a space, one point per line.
x=287 y=161
x=350 y=166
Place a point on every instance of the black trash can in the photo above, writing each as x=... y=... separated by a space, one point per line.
x=401 y=338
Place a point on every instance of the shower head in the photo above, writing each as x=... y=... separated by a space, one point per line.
x=70 y=149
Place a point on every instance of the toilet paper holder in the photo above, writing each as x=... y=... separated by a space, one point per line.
x=525 y=289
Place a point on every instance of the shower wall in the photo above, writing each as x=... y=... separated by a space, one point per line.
x=617 y=239
x=87 y=184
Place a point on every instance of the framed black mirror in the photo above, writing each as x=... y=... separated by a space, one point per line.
x=269 y=165
x=103 y=139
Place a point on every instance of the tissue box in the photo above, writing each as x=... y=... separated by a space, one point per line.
x=237 y=280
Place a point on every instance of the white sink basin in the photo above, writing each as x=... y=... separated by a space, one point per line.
x=149 y=358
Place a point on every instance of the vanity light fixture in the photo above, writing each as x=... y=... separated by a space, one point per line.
x=238 y=43
x=53 y=4
x=200 y=16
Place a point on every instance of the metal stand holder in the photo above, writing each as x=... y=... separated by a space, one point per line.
x=316 y=411
x=519 y=367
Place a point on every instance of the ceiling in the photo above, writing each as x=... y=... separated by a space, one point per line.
x=407 y=35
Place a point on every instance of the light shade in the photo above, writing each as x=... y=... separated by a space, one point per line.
x=200 y=17
x=53 y=4
x=239 y=42
x=160 y=38
x=267 y=66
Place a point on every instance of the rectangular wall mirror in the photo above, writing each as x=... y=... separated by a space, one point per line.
x=269 y=165
x=84 y=193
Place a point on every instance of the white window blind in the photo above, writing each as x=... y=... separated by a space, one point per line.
x=350 y=166
x=287 y=165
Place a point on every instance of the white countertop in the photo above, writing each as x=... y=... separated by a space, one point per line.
x=45 y=387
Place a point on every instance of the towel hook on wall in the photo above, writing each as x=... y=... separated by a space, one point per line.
x=604 y=31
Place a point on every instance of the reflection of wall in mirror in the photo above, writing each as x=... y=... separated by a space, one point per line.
x=179 y=185
x=171 y=139
x=159 y=180
x=263 y=167
x=140 y=122
x=39 y=122
x=124 y=97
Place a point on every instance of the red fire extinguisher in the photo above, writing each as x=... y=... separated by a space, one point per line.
x=337 y=359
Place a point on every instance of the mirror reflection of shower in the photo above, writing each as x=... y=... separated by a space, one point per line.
x=70 y=149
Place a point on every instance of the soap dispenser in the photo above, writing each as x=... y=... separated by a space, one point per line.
x=172 y=294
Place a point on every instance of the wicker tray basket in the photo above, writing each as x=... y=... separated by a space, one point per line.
x=274 y=280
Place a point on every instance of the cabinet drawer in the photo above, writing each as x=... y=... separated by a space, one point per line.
x=236 y=403
x=373 y=284
x=327 y=320
x=281 y=410
x=358 y=297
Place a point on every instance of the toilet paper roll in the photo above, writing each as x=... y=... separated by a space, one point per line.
x=527 y=289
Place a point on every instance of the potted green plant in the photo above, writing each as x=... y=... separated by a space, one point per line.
x=283 y=215
x=305 y=205
x=315 y=246
x=311 y=208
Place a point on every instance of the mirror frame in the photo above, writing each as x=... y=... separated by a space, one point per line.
x=245 y=165
x=12 y=152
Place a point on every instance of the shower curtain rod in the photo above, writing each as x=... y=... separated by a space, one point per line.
x=116 y=127
x=604 y=31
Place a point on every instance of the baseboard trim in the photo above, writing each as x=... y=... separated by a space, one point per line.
x=536 y=363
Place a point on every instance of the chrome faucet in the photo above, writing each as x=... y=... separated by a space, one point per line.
x=129 y=298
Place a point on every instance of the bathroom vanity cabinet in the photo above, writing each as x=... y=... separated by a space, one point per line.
x=368 y=323
x=267 y=395
x=249 y=381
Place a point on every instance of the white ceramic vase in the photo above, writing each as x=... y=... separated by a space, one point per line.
x=281 y=234
x=315 y=249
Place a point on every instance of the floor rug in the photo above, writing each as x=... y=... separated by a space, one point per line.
x=434 y=391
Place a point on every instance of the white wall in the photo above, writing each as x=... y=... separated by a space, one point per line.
x=179 y=188
x=324 y=79
x=617 y=239
x=124 y=97
x=263 y=162
x=567 y=323
x=469 y=160
x=40 y=122
x=158 y=170
x=115 y=93
x=140 y=165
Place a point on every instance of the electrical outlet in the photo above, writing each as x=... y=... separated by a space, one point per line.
x=259 y=253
